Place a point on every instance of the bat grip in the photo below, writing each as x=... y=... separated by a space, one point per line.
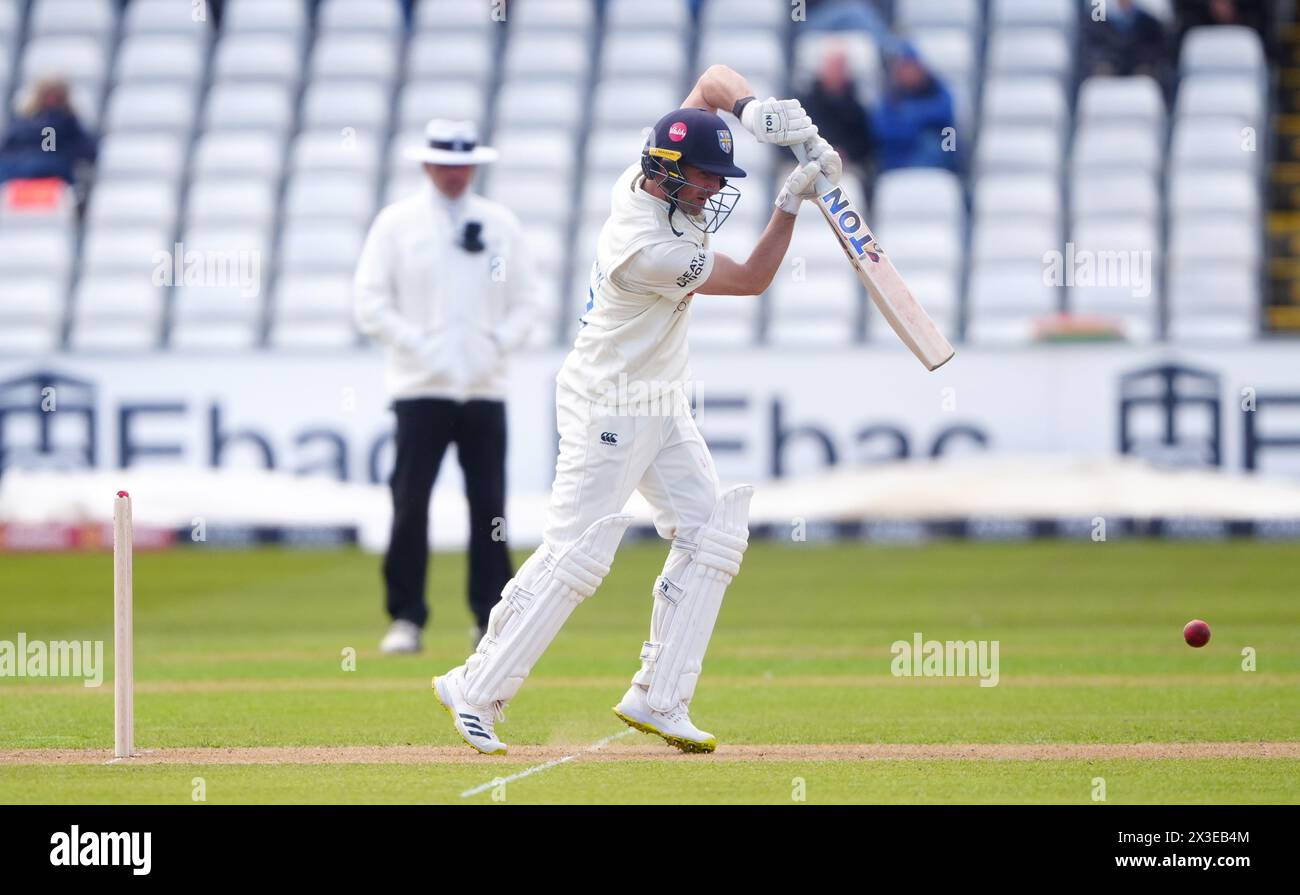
x=800 y=151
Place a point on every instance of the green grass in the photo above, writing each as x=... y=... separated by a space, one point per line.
x=245 y=648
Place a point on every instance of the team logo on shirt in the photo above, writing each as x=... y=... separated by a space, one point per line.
x=724 y=140
x=693 y=271
x=609 y=438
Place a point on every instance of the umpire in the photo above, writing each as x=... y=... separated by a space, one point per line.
x=446 y=286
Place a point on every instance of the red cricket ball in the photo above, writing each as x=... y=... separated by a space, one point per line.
x=123 y=494
x=1196 y=633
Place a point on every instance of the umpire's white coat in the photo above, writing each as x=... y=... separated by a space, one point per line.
x=419 y=294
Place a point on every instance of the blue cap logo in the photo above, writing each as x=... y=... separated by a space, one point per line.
x=724 y=140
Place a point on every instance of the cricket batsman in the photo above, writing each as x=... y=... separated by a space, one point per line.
x=652 y=259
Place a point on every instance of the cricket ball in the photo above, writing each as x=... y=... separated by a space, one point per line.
x=1196 y=633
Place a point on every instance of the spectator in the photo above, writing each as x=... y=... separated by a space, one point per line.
x=908 y=124
x=1251 y=13
x=45 y=139
x=833 y=104
x=1128 y=41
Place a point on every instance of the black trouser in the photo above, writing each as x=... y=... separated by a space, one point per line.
x=425 y=426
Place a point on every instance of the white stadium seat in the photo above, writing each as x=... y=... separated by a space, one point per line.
x=1135 y=100
x=249 y=106
x=75 y=58
x=165 y=17
x=228 y=199
x=454 y=16
x=610 y=150
x=1018 y=148
x=1214 y=143
x=1061 y=14
x=46 y=252
x=140 y=108
x=905 y=194
x=130 y=250
x=633 y=103
x=1030 y=51
x=542 y=151
x=93 y=18
x=1115 y=193
x=421 y=101
x=1013 y=241
x=1025 y=100
x=327 y=151
x=361 y=105
x=355 y=56
x=144 y=155
x=311 y=246
x=653 y=55
x=547 y=55
x=1117 y=148
x=759 y=54
x=1216 y=193
x=328 y=196
x=244 y=17
x=639 y=17
x=1224 y=49
x=962 y=14
x=571 y=16
x=125 y=202
x=450 y=55
x=1221 y=96
x=259 y=57
x=542 y=103
x=1232 y=240
x=172 y=58
x=238 y=153
x=1005 y=196
x=357 y=16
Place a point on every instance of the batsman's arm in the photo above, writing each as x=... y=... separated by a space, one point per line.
x=731 y=277
x=718 y=88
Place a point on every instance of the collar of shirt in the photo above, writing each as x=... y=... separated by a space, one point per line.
x=455 y=209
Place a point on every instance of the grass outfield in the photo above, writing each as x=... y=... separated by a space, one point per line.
x=245 y=649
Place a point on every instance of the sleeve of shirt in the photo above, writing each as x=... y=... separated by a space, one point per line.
x=672 y=269
x=374 y=290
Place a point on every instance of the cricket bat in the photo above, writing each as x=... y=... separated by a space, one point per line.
x=884 y=284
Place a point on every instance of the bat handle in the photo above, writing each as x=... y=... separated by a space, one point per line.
x=800 y=151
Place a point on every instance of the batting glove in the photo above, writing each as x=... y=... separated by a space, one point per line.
x=832 y=166
x=780 y=121
x=798 y=186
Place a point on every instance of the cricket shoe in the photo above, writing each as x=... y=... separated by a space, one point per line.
x=474 y=723
x=674 y=725
x=402 y=637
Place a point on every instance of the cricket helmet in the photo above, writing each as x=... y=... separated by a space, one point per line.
x=699 y=139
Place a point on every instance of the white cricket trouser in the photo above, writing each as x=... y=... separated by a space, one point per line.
x=607 y=453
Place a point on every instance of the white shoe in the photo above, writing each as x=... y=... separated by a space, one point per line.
x=474 y=723
x=674 y=726
x=402 y=637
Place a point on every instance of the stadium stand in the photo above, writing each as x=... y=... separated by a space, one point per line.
x=280 y=132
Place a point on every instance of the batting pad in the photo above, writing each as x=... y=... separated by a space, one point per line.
x=534 y=606
x=688 y=596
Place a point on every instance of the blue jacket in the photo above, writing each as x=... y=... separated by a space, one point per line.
x=21 y=153
x=907 y=129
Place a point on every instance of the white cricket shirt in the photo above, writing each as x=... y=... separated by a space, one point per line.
x=634 y=329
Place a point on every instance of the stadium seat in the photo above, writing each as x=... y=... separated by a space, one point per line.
x=129 y=251
x=906 y=194
x=1030 y=51
x=542 y=103
x=189 y=334
x=259 y=57
x=550 y=152
x=1117 y=148
x=326 y=197
x=1012 y=241
x=328 y=151
x=1221 y=96
x=1231 y=240
x=238 y=153
x=910 y=14
x=569 y=16
x=223 y=200
x=126 y=202
x=610 y=150
x=359 y=16
x=334 y=105
x=1214 y=143
x=171 y=59
x=759 y=54
x=453 y=16
x=1060 y=14
x=249 y=106
x=351 y=57
x=41 y=252
x=92 y=18
x=78 y=59
x=144 y=108
x=421 y=101
x=1004 y=302
x=155 y=156
x=314 y=247
x=1217 y=193
x=164 y=17
x=916 y=246
x=1027 y=100
x=532 y=197
x=556 y=56
x=450 y=55
x=1135 y=101
x=1208 y=303
x=1018 y=149
x=639 y=17
x=1114 y=193
x=724 y=320
x=660 y=55
x=1223 y=49
x=113 y=312
x=632 y=103
x=821 y=308
x=1029 y=196
x=240 y=18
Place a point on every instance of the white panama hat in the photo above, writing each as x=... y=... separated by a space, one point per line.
x=451 y=143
